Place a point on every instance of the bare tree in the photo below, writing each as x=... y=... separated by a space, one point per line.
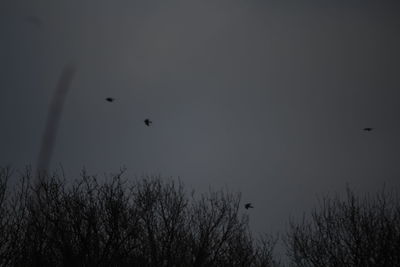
x=147 y=222
x=351 y=232
x=4 y=217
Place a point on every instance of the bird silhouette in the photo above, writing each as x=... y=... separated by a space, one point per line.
x=248 y=206
x=147 y=122
x=110 y=99
x=368 y=129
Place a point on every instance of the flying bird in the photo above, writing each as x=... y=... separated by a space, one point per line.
x=368 y=129
x=248 y=206
x=147 y=122
x=110 y=99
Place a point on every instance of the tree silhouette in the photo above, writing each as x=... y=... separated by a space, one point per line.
x=146 y=222
x=351 y=232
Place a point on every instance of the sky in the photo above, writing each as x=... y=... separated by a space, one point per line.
x=265 y=97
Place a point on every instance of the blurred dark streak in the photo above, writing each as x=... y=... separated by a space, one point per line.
x=53 y=117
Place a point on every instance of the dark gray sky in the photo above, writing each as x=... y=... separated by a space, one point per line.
x=264 y=97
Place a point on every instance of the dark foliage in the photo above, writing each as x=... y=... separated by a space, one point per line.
x=351 y=232
x=147 y=222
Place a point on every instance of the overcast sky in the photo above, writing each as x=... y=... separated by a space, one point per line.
x=264 y=97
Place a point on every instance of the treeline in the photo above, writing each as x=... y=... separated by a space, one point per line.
x=47 y=221
x=354 y=231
